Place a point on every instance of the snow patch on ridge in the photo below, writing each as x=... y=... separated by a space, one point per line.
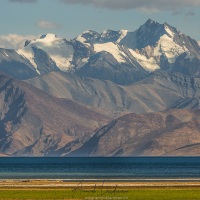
x=28 y=54
x=6 y=54
x=81 y=39
x=112 y=49
x=167 y=29
x=148 y=64
x=169 y=48
x=123 y=34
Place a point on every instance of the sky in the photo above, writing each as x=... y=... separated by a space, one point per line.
x=27 y=19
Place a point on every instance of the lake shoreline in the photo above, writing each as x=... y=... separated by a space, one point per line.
x=61 y=184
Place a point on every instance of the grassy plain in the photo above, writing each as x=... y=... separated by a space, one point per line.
x=100 y=191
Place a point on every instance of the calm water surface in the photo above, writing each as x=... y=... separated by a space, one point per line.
x=92 y=168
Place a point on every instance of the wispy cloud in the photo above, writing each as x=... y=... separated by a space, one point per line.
x=23 y=1
x=14 y=41
x=155 y=5
x=43 y=24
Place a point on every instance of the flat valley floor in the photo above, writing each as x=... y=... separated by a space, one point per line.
x=100 y=190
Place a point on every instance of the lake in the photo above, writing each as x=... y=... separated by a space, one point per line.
x=121 y=168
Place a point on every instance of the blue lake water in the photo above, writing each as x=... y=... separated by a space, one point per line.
x=104 y=168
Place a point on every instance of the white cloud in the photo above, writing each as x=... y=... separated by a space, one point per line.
x=48 y=25
x=172 y=5
x=13 y=41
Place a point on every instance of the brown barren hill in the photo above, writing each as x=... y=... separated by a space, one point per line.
x=170 y=133
x=34 y=123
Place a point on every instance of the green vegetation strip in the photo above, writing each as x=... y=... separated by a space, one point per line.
x=134 y=194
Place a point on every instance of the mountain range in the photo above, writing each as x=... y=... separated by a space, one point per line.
x=115 y=93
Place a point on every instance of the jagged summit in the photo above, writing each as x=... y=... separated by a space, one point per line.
x=151 y=21
x=149 y=26
x=155 y=29
x=147 y=34
x=87 y=36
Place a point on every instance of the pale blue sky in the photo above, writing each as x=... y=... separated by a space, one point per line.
x=71 y=18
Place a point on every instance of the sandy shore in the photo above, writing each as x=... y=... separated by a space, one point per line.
x=60 y=184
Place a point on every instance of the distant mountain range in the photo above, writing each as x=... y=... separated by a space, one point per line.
x=116 y=93
x=122 y=57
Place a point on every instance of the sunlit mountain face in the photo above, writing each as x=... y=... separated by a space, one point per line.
x=115 y=93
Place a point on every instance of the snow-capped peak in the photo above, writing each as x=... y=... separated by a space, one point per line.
x=45 y=38
x=49 y=37
x=58 y=49
x=152 y=46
